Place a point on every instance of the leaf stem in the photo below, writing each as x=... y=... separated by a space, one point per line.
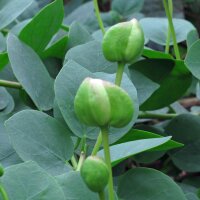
x=96 y=7
x=146 y=115
x=119 y=73
x=80 y=162
x=64 y=27
x=172 y=30
x=118 y=80
x=10 y=84
x=169 y=31
x=97 y=145
x=101 y=195
x=74 y=162
x=3 y=193
x=105 y=137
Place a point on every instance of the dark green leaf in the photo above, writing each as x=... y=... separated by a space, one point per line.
x=3 y=60
x=39 y=31
x=136 y=134
x=145 y=87
x=57 y=49
x=2 y=42
x=173 y=77
x=149 y=53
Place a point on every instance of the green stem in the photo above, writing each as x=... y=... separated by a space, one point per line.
x=146 y=115
x=3 y=193
x=83 y=144
x=172 y=30
x=105 y=137
x=96 y=7
x=80 y=162
x=65 y=28
x=119 y=74
x=10 y=84
x=169 y=31
x=74 y=162
x=97 y=145
x=101 y=195
x=118 y=80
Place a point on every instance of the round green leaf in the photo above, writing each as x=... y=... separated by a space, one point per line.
x=144 y=183
x=158 y=32
x=74 y=187
x=91 y=58
x=185 y=129
x=29 y=181
x=39 y=137
x=192 y=60
x=127 y=8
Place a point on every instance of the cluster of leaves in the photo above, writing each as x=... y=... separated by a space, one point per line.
x=44 y=60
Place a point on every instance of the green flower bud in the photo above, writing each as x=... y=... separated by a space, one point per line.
x=95 y=173
x=123 y=42
x=101 y=103
x=1 y=171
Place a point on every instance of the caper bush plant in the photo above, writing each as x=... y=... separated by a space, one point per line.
x=98 y=105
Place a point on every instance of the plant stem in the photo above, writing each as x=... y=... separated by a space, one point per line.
x=118 y=80
x=105 y=137
x=64 y=27
x=74 y=162
x=172 y=30
x=169 y=31
x=3 y=193
x=96 y=7
x=119 y=74
x=97 y=145
x=101 y=195
x=10 y=84
x=146 y=115
x=80 y=162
